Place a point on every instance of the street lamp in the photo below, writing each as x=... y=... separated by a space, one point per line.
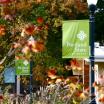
x=92 y=8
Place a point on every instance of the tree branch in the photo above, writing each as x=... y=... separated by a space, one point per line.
x=10 y=53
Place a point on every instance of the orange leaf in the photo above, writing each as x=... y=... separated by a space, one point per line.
x=29 y=29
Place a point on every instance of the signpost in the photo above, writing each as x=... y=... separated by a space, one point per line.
x=22 y=68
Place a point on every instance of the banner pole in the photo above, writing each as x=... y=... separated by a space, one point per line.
x=18 y=87
x=31 y=66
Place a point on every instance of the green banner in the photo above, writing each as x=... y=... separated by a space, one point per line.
x=22 y=67
x=75 y=43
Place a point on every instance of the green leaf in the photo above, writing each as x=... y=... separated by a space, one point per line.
x=2 y=21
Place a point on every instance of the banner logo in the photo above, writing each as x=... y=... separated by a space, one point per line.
x=81 y=36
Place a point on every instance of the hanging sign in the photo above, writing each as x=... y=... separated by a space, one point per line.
x=22 y=67
x=9 y=75
x=75 y=40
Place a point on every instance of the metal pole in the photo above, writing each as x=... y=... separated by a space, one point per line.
x=18 y=87
x=31 y=66
x=92 y=32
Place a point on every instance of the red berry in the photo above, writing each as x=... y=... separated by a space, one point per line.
x=40 y=20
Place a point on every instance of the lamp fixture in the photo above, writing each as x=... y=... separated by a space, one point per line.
x=90 y=2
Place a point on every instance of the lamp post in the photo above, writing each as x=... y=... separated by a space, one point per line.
x=31 y=67
x=92 y=8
